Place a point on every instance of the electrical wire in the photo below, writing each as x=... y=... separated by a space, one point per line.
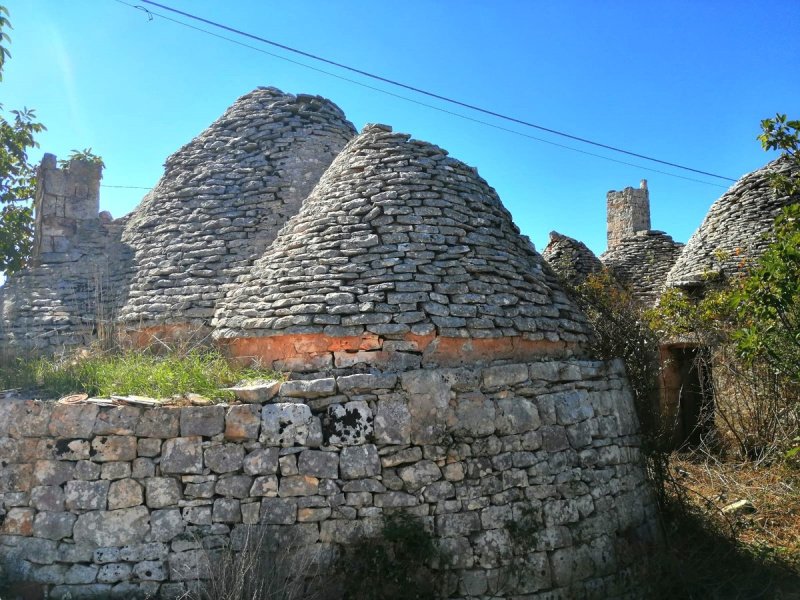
x=425 y=92
x=150 y=15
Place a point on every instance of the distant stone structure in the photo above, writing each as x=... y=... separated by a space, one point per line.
x=66 y=297
x=570 y=259
x=628 y=213
x=435 y=364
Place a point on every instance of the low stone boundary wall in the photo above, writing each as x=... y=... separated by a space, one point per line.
x=98 y=500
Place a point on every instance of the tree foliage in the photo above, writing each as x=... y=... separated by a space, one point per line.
x=18 y=129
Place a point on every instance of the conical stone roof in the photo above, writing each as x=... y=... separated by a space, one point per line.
x=571 y=259
x=221 y=201
x=736 y=230
x=400 y=255
x=641 y=262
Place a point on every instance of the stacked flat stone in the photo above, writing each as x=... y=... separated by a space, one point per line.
x=121 y=501
x=222 y=199
x=570 y=259
x=641 y=262
x=400 y=240
x=70 y=291
x=736 y=231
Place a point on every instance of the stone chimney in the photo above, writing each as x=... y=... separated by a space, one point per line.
x=628 y=211
x=65 y=199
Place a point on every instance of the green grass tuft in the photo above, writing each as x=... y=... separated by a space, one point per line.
x=141 y=373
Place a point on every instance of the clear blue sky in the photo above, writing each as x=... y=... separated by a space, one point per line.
x=685 y=81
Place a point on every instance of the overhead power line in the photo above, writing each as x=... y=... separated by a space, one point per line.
x=427 y=93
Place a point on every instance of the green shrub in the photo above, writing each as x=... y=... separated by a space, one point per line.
x=395 y=565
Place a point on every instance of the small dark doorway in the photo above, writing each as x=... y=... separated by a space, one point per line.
x=688 y=394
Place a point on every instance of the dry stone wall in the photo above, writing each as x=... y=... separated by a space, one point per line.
x=119 y=500
x=221 y=201
x=736 y=231
x=70 y=292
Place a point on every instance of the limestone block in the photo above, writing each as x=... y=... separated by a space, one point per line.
x=298 y=485
x=570 y=565
x=18 y=521
x=227 y=510
x=163 y=423
x=24 y=418
x=113 y=448
x=319 y=464
x=148 y=447
x=120 y=420
x=458 y=524
x=347 y=424
x=53 y=525
x=77 y=574
x=356 y=462
x=114 y=572
x=395 y=499
x=504 y=376
x=311 y=388
x=242 y=422
x=392 y=421
x=225 y=458
x=266 y=485
x=86 y=495
x=150 y=570
x=124 y=493
x=313 y=515
x=366 y=383
x=63 y=449
x=235 y=486
x=261 y=461
x=115 y=470
x=473 y=415
x=72 y=553
x=19 y=478
x=428 y=397
x=112 y=528
x=401 y=457
x=73 y=420
x=143 y=467
x=573 y=407
x=288 y=465
x=420 y=474
x=278 y=511
x=286 y=424
x=48 y=498
x=165 y=524
x=161 y=492
x=182 y=455
x=516 y=415
x=189 y=566
x=197 y=515
x=347 y=532
x=257 y=392
x=207 y=421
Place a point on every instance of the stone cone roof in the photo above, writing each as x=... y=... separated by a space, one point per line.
x=222 y=199
x=640 y=262
x=399 y=241
x=736 y=230
x=570 y=259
